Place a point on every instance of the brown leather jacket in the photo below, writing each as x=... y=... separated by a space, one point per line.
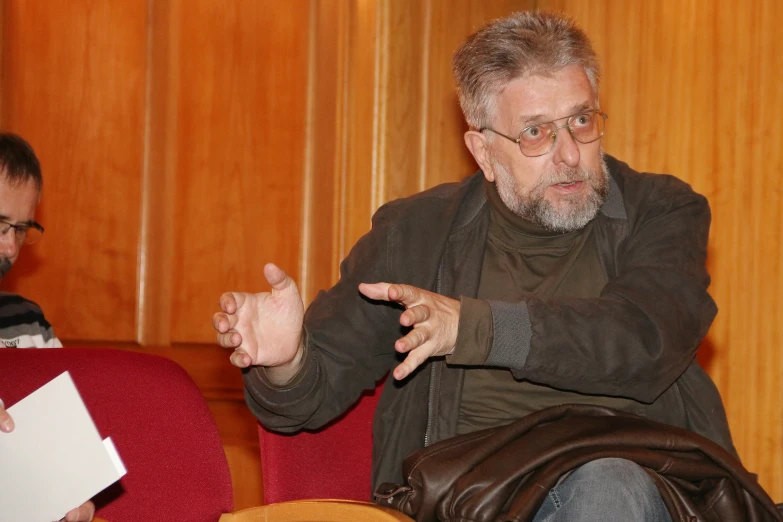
x=504 y=474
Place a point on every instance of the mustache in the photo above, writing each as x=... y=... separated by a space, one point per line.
x=567 y=175
x=5 y=266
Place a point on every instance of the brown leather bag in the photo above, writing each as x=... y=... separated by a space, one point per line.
x=504 y=474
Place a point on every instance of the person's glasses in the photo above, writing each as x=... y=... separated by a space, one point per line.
x=26 y=233
x=539 y=139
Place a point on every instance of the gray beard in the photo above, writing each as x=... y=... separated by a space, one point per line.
x=5 y=266
x=565 y=215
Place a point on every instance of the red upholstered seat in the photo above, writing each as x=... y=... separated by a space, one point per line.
x=158 y=420
x=335 y=462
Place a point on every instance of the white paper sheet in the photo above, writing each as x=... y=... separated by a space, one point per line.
x=54 y=460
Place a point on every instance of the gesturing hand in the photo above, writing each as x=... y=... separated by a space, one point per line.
x=263 y=329
x=434 y=318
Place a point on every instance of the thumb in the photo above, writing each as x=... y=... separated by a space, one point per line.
x=279 y=280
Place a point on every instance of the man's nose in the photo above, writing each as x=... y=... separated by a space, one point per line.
x=9 y=246
x=566 y=148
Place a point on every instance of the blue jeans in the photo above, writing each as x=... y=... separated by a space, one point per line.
x=606 y=490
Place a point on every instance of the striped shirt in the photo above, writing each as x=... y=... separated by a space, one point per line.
x=23 y=325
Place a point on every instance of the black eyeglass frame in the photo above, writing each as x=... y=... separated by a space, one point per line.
x=553 y=134
x=5 y=227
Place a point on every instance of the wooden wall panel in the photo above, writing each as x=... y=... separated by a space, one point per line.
x=382 y=84
x=423 y=125
x=158 y=180
x=403 y=100
x=325 y=146
x=447 y=158
x=239 y=151
x=359 y=177
x=747 y=238
x=76 y=91
x=689 y=88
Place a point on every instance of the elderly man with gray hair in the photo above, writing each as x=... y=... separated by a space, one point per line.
x=555 y=275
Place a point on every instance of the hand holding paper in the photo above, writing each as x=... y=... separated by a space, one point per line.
x=53 y=437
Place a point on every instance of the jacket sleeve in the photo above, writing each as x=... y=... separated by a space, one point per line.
x=348 y=345
x=641 y=333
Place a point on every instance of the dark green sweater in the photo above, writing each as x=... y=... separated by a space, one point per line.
x=521 y=261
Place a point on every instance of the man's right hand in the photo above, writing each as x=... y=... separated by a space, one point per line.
x=263 y=329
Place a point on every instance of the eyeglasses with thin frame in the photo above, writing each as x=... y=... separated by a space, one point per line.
x=24 y=233
x=539 y=139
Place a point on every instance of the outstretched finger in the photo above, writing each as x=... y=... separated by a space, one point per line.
x=277 y=278
x=230 y=302
x=240 y=359
x=376 y=291
x=414 y=359
x=414 y=315
x=411 y=341
x=405 y=294
x=229 y=339
x=223 y=322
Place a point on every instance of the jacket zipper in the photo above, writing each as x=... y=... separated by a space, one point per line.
x=434 y=366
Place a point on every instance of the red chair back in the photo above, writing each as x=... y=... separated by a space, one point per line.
x=335 y=462
x=158 y=420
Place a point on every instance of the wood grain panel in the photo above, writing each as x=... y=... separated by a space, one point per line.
x=73 y=84
x=447 y=158
x=326 y=146
x=403 y=97
x=404 y=126
x=384 y=116
x=689 y=88
x=156 y=242
x=359 y=182
x=239 y=151
x=747 y=236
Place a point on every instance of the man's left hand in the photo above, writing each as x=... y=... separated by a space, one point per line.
x=434 y=318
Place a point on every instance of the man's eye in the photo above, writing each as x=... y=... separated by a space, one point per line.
x=582 y=120
x=532 y=133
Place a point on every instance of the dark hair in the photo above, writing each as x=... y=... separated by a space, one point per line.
x=18 y=162
x=529 y=42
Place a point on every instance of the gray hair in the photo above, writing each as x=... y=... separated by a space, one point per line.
x=524 y=43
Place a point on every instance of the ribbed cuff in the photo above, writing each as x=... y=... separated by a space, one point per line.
x=512 y=333
x=265 y=391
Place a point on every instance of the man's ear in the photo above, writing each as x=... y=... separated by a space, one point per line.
x=477 y=144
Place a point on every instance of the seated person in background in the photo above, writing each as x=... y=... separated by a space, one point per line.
x=22 y=323
x=555 y=275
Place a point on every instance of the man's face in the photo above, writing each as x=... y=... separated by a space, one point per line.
x=17 y=206
x=563 y=189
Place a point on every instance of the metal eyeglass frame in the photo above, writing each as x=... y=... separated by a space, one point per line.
x=553 y=135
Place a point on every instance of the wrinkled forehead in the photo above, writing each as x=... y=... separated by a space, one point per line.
x=539 y=96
